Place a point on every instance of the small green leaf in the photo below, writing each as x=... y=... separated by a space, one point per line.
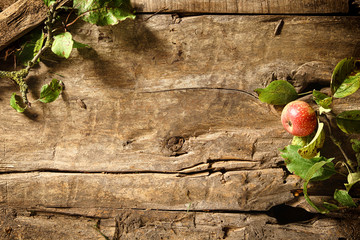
x=30 y=46
x=311 y=149
x=300 y=166
x=279 y=92
x=350 y=85
x=17 y=103
x=105 y=12
x=322 y=99
x=302 y=141
x=343 y=69
x=352 y=179
x=63 y=44
x=80 y=45
x=50 y=92
x=309 y=176
x=355 y=145
x=343 y=197
x=39 y=43
x=49 y=2
x=349 y=121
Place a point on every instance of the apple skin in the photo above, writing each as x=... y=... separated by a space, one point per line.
x=299 y=118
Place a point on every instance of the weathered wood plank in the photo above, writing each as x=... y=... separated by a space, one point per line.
x=144 y=88
x=19 y=224
x=243 y=6
x=150 y=224
x=234 y=190
x=24 y=15
x=19 y=18
x=6 y=3
x=146 y=82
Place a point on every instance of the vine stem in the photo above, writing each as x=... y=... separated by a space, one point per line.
x=348 y=162
x=305 y=93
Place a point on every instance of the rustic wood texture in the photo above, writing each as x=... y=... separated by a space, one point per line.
x=150 y=224
x=6 y=3
x=162 y=80
x=160 y=114
x=243 y=6
x=19 y=18
x=24 y=15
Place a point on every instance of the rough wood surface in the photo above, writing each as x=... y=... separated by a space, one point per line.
x=6 y=3
x=146 y=83
x=235 y=190
x=243 y=6
x=19 y=18
x=160 y=114
x=151 y=224
x=24 y=15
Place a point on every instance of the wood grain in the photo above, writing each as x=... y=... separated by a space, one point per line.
x=235 y=190
x=22 y=16
x=6 y=3
x=243 y=6
x=144 y=83
x=160 y=114
x=152 y=224
x=19 y=18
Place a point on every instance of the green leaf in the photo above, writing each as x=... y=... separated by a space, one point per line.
x=311 y=149
x=343 y=197
x=279 y=92
x=302 y=141
x=352 y=179
x=49 y=2
x=322 y=99
x=80 y=45
x=17 y=103
x=63 y=44
x=349 y=121
x=342 y=70
x=355 y=145
x=309 y=176
x=300 y=166
x=350 y=85
x=50 y=92
x=30 y=46
x=105 y=12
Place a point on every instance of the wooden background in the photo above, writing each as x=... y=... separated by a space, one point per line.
x=159 y=135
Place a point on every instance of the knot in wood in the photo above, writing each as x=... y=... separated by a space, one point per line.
x=174 y=144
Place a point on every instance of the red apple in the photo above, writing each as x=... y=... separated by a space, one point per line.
x=299 y=118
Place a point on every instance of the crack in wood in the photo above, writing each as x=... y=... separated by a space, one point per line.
x=194 y=169
x=203 y=88
x=283 y=213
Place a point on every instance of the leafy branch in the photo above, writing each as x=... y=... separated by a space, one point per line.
x=302 y=157
x=106 y=12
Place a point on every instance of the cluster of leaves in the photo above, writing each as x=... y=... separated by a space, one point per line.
x=302 y=156
x=103 y=12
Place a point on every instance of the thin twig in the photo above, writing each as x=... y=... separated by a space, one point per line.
x=349 y=164
x=97 y=228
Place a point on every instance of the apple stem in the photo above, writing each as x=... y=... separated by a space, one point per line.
x=305 y=93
